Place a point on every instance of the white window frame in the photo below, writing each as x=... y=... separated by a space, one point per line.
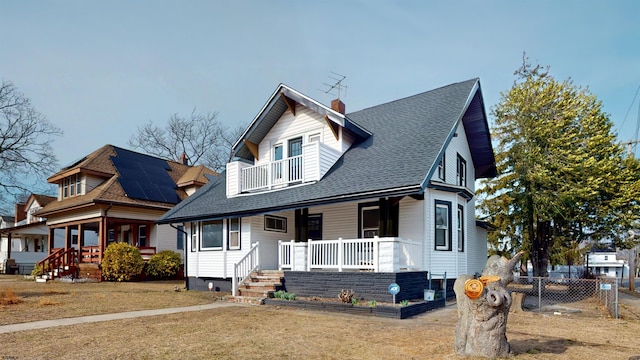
x=446 y=226
x=194 y=236
x=231 y=233
x=201 y=234
x=142 y=234
x=363 y=230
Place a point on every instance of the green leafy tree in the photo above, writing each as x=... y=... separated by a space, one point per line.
x=563 y=179
x=121 y=262
x=164 y=264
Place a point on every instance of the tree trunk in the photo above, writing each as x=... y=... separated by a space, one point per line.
x=482 y=322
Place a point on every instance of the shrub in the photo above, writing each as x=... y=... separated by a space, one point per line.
x=346 y=295
x=283 y=295
x=9 y=298
x=37 y=270
x=121 y=262
x=164 y=264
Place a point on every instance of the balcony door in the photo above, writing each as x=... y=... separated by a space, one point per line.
x=295 y=160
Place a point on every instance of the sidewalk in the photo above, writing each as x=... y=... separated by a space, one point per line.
x=108 y=317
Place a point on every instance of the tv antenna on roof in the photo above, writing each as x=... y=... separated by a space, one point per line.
x=337 y=85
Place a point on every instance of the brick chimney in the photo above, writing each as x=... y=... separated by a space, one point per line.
x=184 y=159
x=21 y=212
x=338 y=106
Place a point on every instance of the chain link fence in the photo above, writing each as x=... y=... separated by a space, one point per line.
x=565 y=295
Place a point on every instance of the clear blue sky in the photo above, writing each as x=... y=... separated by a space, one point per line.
x=98 y=69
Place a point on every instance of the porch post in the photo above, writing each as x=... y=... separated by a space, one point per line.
x=51 y=240
x=8 y=248
x=102 y=237
x=67 y=237
x=340 y=259
x=376 y=254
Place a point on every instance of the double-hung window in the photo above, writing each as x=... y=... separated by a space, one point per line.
x=211 y=235
x=443 y=225
x=233 y=225
x=142 y=235
x=461 y=172
x=194 y=236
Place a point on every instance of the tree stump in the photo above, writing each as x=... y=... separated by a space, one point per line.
x=482 y=321
x=517 y=301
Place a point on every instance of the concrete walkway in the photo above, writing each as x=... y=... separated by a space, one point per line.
x=108 y=317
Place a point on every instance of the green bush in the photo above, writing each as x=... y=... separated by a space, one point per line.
x=121 y=262
x=37 y=270
x=164 y=264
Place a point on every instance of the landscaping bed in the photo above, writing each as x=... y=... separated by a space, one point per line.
x=381 y=310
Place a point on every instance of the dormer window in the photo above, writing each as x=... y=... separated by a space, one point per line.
x=72 y=186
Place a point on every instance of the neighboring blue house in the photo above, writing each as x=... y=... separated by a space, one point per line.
x=387 y=189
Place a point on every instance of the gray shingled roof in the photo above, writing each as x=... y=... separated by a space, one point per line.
x=409 y=135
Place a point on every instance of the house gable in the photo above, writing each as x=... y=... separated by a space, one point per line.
x=293 y=140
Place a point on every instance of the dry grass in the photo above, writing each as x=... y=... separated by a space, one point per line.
x=72 y=300
x=9 y=298
x=265 y=332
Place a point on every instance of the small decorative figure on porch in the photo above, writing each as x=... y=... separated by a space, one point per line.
x=483 y=307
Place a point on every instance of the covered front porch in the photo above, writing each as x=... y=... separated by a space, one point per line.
x=377 y=254
x=84 y=242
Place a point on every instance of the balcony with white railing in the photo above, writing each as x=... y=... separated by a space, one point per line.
x=315 y=161
x=275 y=173
x=386 y=254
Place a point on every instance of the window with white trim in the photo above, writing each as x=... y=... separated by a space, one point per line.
x=461 y=171
x=142 y=235
x=443 y=225
x=275 y=223
x=460 y=228
x=211 y=235
x=233 y=226
x=72 y=186
x=194 y=236
x=370 y=221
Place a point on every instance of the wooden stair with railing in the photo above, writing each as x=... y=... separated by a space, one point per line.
x=60 y=263
x=259 y=285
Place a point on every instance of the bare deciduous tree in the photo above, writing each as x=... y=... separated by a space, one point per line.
x=201 y=137
x=26 y=135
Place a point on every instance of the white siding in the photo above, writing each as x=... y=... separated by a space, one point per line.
x=412 y=215
x=164 y=237
x=305 y=122
x=269 y=239
x=338 y=220
x=458 y=146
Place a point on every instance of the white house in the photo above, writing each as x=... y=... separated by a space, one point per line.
x=606 y=263
x=387 y=189
x=25 y=240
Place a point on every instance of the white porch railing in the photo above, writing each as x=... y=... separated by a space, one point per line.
x=376 y=254
x=274 y=173
x=243 y=268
